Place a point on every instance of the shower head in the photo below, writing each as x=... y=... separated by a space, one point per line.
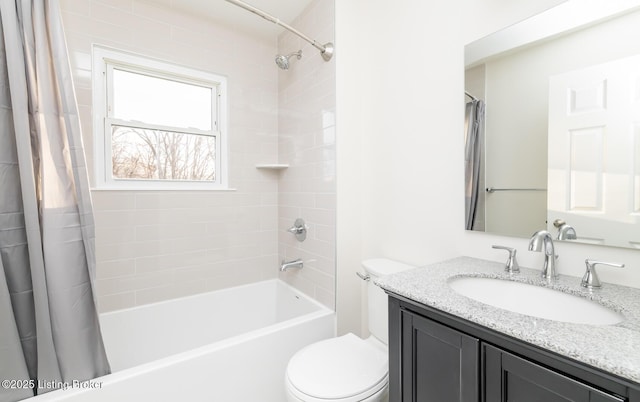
x=283 y=61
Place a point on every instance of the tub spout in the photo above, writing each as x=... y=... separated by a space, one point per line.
x=291 y=264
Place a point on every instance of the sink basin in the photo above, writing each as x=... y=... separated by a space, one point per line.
x=535 y=301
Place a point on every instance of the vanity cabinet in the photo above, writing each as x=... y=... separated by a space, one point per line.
x=441 y=363
x=508 y=377
x=436 y=357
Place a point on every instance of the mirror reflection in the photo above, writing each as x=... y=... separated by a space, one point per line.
x=552 y=127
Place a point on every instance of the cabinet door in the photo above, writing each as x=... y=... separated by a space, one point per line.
x=513 y=379
x=438 y=363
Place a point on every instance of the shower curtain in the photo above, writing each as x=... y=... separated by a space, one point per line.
x=49 y=330
x=473 y=139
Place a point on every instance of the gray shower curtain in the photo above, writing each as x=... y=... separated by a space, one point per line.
x=473 y=138
x=49 y=330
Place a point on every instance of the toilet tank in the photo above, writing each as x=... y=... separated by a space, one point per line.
x=377 y=298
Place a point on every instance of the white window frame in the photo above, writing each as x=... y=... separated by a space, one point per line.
x=104 y=61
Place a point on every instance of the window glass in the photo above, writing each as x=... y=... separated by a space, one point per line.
x=162 y=155
x=157 y=125
x=160 y=101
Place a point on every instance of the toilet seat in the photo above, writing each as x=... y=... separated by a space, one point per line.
x=343 y=369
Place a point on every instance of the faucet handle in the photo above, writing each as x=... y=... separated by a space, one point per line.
x=511 y=266
x=299 y=229
x=590 y=279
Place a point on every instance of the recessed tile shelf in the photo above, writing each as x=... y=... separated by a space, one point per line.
x=272 y=166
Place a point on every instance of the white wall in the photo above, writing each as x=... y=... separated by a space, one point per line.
x=399 y=117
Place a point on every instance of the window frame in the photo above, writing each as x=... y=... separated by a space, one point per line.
x=105 y=60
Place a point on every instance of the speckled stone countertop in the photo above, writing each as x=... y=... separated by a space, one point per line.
x=613 y=348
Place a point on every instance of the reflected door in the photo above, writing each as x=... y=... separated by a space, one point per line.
x=594 y=152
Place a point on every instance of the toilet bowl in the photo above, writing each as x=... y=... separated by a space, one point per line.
x=345 y=369
x=348 y=368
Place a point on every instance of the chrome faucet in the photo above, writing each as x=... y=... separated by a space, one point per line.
x=511 y=266
x=291 y=264
x=590 y=279
x=544 y=238
x=565 y=232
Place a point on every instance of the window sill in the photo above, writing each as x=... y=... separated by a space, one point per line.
x=179 y=189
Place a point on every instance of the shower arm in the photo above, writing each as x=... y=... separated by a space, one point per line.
x=326 y=50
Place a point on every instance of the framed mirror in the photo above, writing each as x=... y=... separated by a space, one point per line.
x=552 y=126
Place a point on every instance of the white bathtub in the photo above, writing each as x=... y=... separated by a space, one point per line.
x=231 y=345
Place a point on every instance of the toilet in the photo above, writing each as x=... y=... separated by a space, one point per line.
x=348 y=368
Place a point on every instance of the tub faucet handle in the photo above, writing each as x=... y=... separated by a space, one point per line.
x=299 y=229
x=590 y=279
x=511 y=266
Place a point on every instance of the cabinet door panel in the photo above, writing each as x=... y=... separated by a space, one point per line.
x=513 y=379
x=439 y=363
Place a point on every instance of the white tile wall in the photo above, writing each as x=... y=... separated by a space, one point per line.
x=307 y=189
x=153 y=246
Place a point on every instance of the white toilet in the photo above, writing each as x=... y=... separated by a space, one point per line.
x=348 y=368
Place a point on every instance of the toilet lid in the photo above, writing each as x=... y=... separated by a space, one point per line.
x=338 y=368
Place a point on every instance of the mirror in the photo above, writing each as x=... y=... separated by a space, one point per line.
x=552 y=126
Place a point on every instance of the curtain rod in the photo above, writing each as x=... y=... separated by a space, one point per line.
x=470 y=96
x=326 y=50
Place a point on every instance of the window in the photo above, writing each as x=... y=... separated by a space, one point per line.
x=157 y=126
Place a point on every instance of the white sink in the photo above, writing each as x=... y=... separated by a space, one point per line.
x=535 y=301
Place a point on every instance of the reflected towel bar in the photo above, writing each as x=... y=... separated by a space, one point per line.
x=470 y=96
x=493 y=189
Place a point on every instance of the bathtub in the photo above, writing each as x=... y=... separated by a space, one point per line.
x=230 y=345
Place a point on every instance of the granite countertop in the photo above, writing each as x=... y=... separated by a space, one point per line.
x=613 y=348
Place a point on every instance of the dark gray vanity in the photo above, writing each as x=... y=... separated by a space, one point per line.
x=445 y=347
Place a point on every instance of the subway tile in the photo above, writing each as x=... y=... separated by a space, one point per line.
x=134 y=282
x=289 y=214
x=113 y=200
x=325 y=201
x=318 y=278
x=116 y=302
x=81 y=7
x=270 y=198
x=121 y=16
x=321 y=216
x=319 y=247
x=198 y=40
x=188 y=288
x=202 y=272
x=159 y=10
x=116 y=251
x=225 y=281
x=156 y=232
x=114 y=234
x=300 y=200
x=111 y=269
x=99 y=30
x=163 y=262
x=326 y=297
x=155 y=294
x=80 y=60
x=325 y=233
x=125 y=5
x=187 y=242
x=114 y=218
